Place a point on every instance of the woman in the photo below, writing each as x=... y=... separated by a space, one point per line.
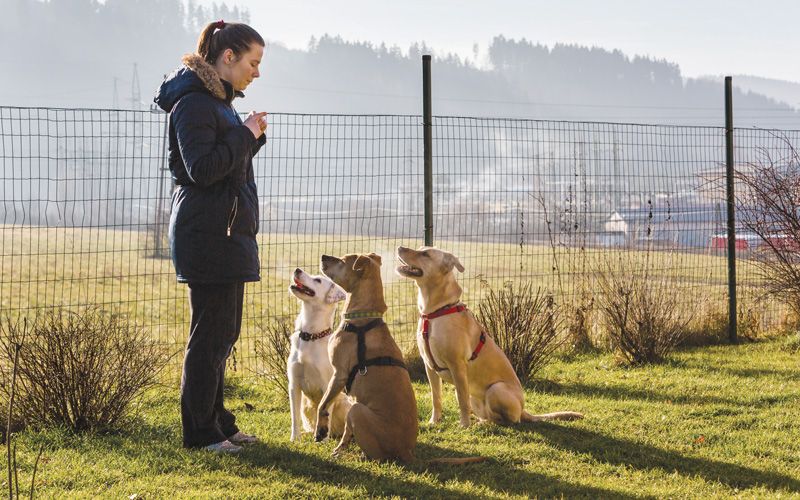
x=214 y=220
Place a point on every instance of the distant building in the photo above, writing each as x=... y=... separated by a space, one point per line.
x=689 y=226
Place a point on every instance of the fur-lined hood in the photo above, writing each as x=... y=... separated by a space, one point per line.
x=196 y=75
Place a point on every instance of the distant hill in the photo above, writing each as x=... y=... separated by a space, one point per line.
x=780 y=90
x=92 y=46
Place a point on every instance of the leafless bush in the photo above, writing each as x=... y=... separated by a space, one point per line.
x=768 y=204
x=415 y=364
x=708 y=327
x=641 y=309
x=790 y=323
x=272 y=349
x=80 y=370
x=524 y=322
x=579 y=323
x=748 y=323
x=12 y=479
x=792 y=344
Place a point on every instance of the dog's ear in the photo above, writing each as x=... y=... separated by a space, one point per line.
x=335 y=294
x=361 y=263
x=451 y=261
x=376 y=258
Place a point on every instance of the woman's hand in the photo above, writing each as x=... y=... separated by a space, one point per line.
x=257 y=123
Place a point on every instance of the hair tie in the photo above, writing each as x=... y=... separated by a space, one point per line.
x=220 y=24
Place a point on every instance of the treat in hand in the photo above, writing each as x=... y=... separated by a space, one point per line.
x=257 y=123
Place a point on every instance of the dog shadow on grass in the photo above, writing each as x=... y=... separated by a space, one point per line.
x=381 y=479
x=622 y=393
x=350 y=472
x=501 y=476
x=640 y=456
x=157 y=448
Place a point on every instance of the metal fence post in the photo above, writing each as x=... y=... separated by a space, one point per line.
x=731 y=206
x=427 y=122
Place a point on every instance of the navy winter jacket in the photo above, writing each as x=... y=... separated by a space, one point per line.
x=214 y=220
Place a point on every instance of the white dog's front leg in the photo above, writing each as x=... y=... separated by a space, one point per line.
x=461 y=381
x=435 y=382
x=295 y=396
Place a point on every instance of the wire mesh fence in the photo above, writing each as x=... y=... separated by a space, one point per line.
x=756 y=149
x=86 y=199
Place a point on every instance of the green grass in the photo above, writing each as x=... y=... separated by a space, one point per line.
x=712 y=422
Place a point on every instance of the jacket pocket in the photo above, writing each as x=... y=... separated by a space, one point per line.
x=233 y=213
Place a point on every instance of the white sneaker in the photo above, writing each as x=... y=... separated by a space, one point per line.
x=242 y=438
x=224 y=447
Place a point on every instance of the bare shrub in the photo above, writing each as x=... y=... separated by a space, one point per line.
x=80 y=370
x=415 y=364
x=789 y=324
x=792 y=344
x=768 y=204
x=642 y=310
x=748 y=323
x=272 y=349
x=708 y=327
x=579 y=324
x=524 y=322
x=11 y=451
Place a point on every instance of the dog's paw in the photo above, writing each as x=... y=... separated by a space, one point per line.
x=322 y=433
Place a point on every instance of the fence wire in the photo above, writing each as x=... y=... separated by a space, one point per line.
x=86 y=200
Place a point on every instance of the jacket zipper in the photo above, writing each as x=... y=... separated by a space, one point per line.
x=234 y=211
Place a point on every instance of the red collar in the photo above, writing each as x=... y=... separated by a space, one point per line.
x=425 y=329
x=444 y=311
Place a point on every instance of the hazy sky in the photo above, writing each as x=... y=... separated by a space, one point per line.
x=705 y=37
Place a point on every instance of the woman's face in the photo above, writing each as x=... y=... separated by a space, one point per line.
x=240 y=72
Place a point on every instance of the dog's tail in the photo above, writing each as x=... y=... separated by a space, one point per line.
x=556 y=415
x=457 y=461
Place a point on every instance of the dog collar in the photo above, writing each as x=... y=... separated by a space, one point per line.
x=425 y=327
x=362 y=315
x=314 y=336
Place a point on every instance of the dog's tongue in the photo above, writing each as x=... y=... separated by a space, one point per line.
x=297 y=282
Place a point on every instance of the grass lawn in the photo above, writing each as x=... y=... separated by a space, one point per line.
x=712 y=422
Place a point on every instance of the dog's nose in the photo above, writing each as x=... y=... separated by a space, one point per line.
x=401 y=249
x=297 y=271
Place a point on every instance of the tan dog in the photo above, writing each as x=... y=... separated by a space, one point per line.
x=458 y=350
x=383 y=420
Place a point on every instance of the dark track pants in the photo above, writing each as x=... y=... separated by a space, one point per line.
x=216 y=322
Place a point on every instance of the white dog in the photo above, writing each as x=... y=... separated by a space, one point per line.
x=309 y=368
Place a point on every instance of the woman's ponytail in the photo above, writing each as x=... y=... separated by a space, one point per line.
x=218 y=36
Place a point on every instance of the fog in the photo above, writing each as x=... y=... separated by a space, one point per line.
x=82 y=53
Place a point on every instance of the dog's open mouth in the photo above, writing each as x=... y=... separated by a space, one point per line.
x=299 y=287
x=407 y=270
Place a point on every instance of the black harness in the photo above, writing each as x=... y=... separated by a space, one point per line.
x=362 y=365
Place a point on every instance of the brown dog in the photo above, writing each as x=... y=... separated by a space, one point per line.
x=383 y=421
x=458 y=350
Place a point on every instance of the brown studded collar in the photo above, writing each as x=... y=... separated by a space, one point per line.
x=310 y=337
